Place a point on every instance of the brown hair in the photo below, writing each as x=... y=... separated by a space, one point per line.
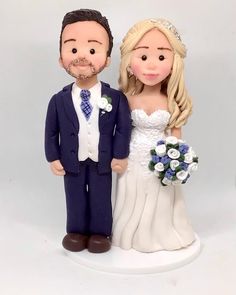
x=81 y=15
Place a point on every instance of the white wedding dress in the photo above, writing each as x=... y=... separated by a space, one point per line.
x=148 y=216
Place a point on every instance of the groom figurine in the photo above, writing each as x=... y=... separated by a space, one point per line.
x=87 y=131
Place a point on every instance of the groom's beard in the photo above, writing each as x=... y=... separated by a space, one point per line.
x=92 y=71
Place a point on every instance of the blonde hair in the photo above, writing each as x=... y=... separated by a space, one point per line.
x=179 y=102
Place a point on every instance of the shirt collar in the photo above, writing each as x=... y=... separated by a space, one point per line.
x=93 y=90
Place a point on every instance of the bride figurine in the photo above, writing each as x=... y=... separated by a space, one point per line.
x=149 y=217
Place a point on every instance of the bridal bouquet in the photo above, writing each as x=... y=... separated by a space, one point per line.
x=173 y=161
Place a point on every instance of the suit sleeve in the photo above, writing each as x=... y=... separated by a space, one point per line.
x=123 y=129
x=52 y=132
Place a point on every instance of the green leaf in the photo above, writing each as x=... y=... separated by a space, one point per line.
x=151 y=166
x=172 y=146
x=195 y=159
x=181 y=158
x=167 y=166
x=177 y=169
x=109 y=99
x=162 y=174
x=153 y=152
x=169 y=146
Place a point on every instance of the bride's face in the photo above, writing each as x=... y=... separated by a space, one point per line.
x=152 y=58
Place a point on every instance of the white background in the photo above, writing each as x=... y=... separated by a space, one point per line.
x=32 y=206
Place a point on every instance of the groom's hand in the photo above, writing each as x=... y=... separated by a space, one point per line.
x=119 y=165
x=57 y=168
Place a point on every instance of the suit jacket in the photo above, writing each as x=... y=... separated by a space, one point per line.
x=62 y=127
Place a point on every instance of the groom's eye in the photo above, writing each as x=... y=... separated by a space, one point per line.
x=92 y=51
x=74 y=50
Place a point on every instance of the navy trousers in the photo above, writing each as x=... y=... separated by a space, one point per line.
x=88 y=200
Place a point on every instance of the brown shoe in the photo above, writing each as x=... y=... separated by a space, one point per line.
x=99 y=244
x=75 y=242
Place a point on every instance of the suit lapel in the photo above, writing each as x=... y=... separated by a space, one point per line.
x=69 y=106
x=103 y=115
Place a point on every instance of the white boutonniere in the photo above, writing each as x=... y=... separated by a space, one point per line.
x=105 y=104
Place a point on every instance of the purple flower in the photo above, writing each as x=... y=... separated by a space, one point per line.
x=183 y=148
x=169 y=173
x=165 y=160
x=168 y=176
x=184 y=166
x=155 y=158
x=160 y=142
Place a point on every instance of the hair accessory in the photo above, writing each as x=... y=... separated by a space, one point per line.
x=168 y=25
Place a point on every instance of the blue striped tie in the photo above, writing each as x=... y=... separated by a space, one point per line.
x=85 y=105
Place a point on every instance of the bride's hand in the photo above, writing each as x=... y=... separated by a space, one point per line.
x=119 y=165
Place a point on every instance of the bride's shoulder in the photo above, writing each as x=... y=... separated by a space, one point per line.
x=133 y=99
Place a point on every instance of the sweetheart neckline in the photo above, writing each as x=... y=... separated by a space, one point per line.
x=149 y=115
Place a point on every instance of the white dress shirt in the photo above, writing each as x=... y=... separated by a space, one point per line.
x=89 y=130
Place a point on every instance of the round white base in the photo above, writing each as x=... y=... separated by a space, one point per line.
x=133 y=262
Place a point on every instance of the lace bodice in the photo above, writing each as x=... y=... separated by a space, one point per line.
x=147 y=130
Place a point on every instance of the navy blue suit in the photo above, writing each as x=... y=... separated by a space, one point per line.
x=87 y=183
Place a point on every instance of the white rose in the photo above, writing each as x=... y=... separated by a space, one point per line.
x=108 y=107
x=161 y=150
x=192 y=167
x=156 y=173
x=102 y=103
x=182 y=175
x=191 y=151
x=188 y=158
x=174 y=164
x=171 y=139
x=181 y=141
x=166 y=181
x=173 y=153
x=159 y=167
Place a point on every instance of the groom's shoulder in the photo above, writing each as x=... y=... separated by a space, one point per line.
x=109 y=91
x=66 y=90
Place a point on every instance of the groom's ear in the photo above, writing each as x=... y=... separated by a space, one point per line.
x=108 y=61
x=60 y=61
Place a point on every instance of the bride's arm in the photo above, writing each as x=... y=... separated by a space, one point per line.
x=176 y=132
